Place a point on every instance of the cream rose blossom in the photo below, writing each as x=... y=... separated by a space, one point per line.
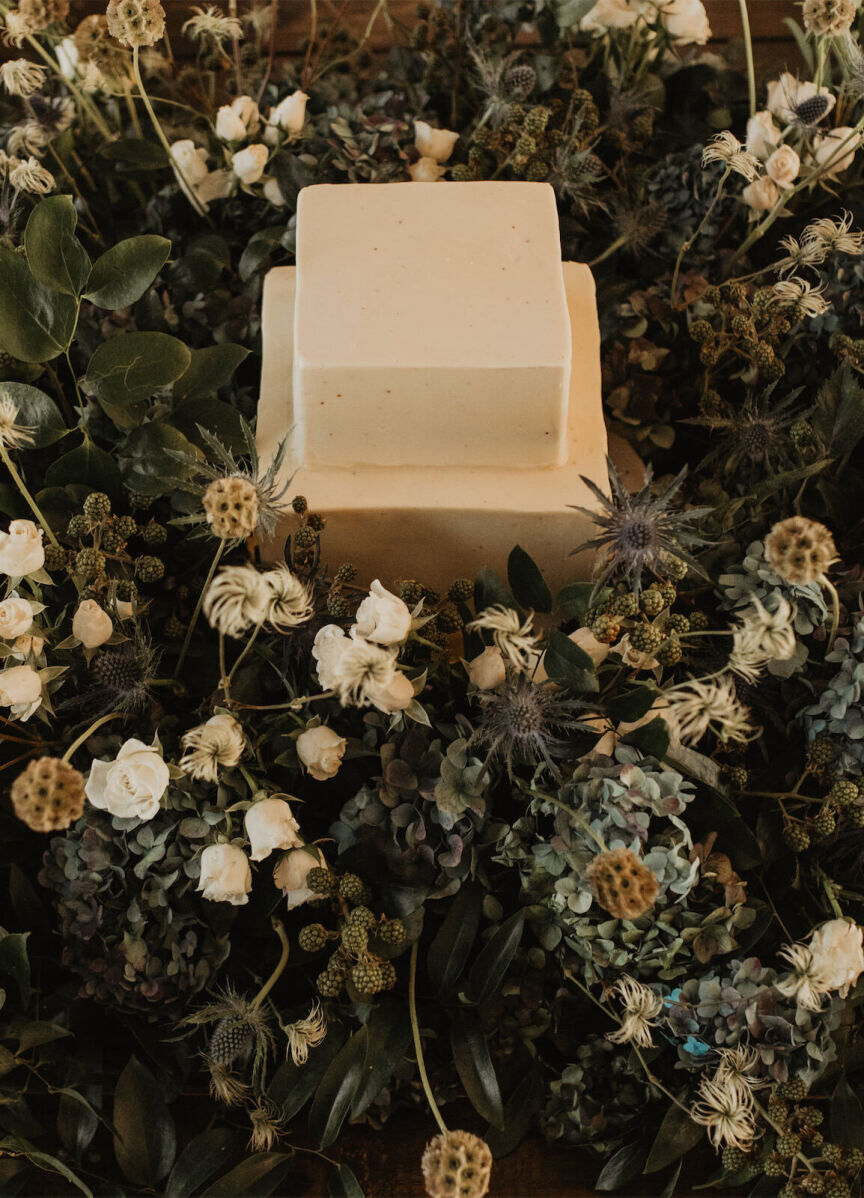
x=835 y=152
x=132 y=785
x=612 y=14
x=191 y=160
x=91 y=624
x=436 y=144
x=16 y=616
x=761 y=195
x=290 y=876
x=19 y=686
x=686 y=21
x=237 y=120
x=382 y=617
x=249 y=164
x=763 y=134
x=226 y=876
x=783 y=166
x=487 y=670
x=425 y=170
x=270 y=825
x=321 y=751
x=289 y=115
x=21 y=549
x=838 y=956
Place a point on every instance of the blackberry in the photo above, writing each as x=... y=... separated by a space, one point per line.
x=801 y=434
x=329 y=984
x=127 y=526
x=810 y=1117
x=677 y=623
x=624 y=605
x=794 y=1089
x=299 y=504
x=699 y=622
x=149 y=568
x=126 y=589
x=338 y=607
x=388 y=975
x=392 y=931
x=606 y=629
x=362 y=917
x=231 y=1038
x=835 y=1187
x=97 y=507
x=448 y=618
x=354 y=939
x=651 y=602
x=737 y=776
x=410 y=592
x=820 y=753
x=430 y=595
x=669 y=653
x=833 y=1153
x=321 y=881
x=351 y=888
x=520 y=82
x=733 y=1159
x=667 y=590
x=789 y=1144
x=89 y=563
x=796 y=836
x=774 y=1166
x=312 y=938
x=173 y=628
x=112 y=542
x=367 y=977
x=155 y=533
x=789 y=1191
x=340 y=965
x=78 y=526
x=460 y=173
x=304 y=538
x=701 y=331
x=55 y=557
x=139 y=501
x=813 y=1183
x=674 y=569
x=461 y=590
x=853 y=1159
x=843 y=792
x=855 y=815
x=346 y=573
x=645 y=638
x=824 y=822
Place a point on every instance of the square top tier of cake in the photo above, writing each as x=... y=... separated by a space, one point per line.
x=431 y=326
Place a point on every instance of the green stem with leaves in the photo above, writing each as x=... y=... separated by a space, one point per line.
x=22 y=487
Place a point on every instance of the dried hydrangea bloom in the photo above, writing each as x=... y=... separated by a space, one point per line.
x=622 y=885
x=829 y=18
x=456 y=1164
x=136 y=23
x=800 y=550
x=49 y=795
x=231 y=507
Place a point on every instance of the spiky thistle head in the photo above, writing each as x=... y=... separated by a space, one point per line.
x=523 y=721
x=121 y=677
x=639 y=532
x=241 y=1028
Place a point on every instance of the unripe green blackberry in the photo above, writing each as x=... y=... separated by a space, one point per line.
x=312 y=938
x=304 y=538
x=699 y=622
x=410 y=592
x=362 y=917
x=668 y=591
x=855 y=816
x=89 y=563
x=329 y=984
x=231 y=1037
x=127 y=526
x=677 y=622
x=810 y=1116
x=709 y=355
x=844 y=792
x=624 y=605
x=461 y=590
x=97 y=507
x=813 y=1183
x=150 y=569
x=816 y=1139
x=824 y=822
x=321 y=881
x=351 y=888
x=536 y=119
x=774 y=1166
x=78 y=526
x=788 y=1144
x=460 y=173
x=701 y=331
x=853 y=1159
x=733 y=1158
x=354 y=939
x=742 y=326
x=835 y=1187
x=55 y=557
x=736 y=775
x=392 y=931
x=448 y=618
x=155 y=533
x=820 y=753
x=346 y=573
x=139 y=502
x=367 y=977
x=790 y=1191
x=388 y=975
x=670 y=652
x=299 y=504
x=126 y=589
x=430 y=595
x=645 y=638
x=801 y=434
x=111 y=541
x=651 y=602
x=833 y=1153
x=338 y=607
x=796 y=836
x=173 y=628
x=606 y=629
x=316 y=521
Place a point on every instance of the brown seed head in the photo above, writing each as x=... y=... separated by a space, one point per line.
x=136 y=22
x=457 y=1165
x=829 y=18
x=48 y=795
x=622 y=884
x=39 y=14
x=800 y=550
x=231 y=506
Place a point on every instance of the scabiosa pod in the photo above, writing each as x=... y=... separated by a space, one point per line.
x=802 y=551
x=457 y=1164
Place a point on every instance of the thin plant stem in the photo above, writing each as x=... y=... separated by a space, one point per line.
x=185 y=646
x=22 y=487
x=576 y=817
x=243 y=652
x=748 y=51
x=84 y=102
x=694 y=237
x=76 y=744
x=293 y=705
x=271 y=52
x=279 y=929
x=418 y=1047
x=835 y=609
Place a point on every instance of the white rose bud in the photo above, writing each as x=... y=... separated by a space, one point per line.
x=383 y=617
x=763 y=135
x=26 y=646
x=21 y=550
x=426 y=170
x=249 y=164
x=321 y=750
x=131 y=785
x=290 y=876
x=270 y=824
x=836 y=150
x=273 y=193
x=289 y=115
x=686 y=21
x=486 y=670
x=16 y=616
x=91 y=624
x=190 y=160
x=217 y=185
x=237 y=120
x=395 y=697
x=612 y=14
x=19 y=685
x=225 y=875
x=761 y=195
x=838 y=956
x=783 y=166
x=436 y=144
x=67 y=57
x=327 y=649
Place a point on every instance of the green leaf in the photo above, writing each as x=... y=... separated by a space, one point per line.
x=568 y=665
x=489 y=588
x=343 y=1184
x=256 y=1177
x=621 y=1167
x=293 y=1085
x=677 y=1135
x=14 y=963
x=39 y=1031
x=209 y=369
x=449 y=951
x=847 y=1115
x=671 y=1187
x=574 y=600
x=123 y=273
x=87 y=465
x=216 y=417
x=519 y=1110
x=38 y=412
x=36 y=323
x=148 y=466
x=145 y=1140
x=132 y=366
x=55 y=255
x=651 y=739
x=494 y=958
x=133 y=153
x=334 y=1095
x=199 y=1160
x=526 y=581
x=388 y=1034
x=632 y=705
x=43 y=1160
x=475 y=1068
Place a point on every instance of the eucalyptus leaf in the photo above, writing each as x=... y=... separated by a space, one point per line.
x=652 y=738
x=135 y=154
x=146 y=453
x=124 y=272
x=133 y=366
x=677 y=1135
x=343 y=1184
x=36 y=322
x=388 y=1034
x=475 y=1068
x=145 y=1141
x=526 y=581
x=293 y=1085
x=208 y=370
x=622 y=1166
x=631 y=705
x=87 y=465
x=847 y=1115
x=568 y=665
x=256 y=1177
x=200 y=1159
x=54 y=254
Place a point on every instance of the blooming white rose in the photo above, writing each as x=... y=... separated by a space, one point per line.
x=836 y=150
x=396 y=695
x=273 y=192
x=132 y=784
x=191 y=160
x=383 y=617
x=783 y=166
x=225 y=875
x=19 y=685
x=290 y=876
x=434 y=143
x=838 y=956
x=216 y=185
x=761 y=195
x=27 y=646
x=91 y=624
x=270 y=824
x=327 y=649
x=321 y=750
x=237 y=120
x=289 y=115
x=487 y=670
x=16 y=616
x=426 y=170
x=612 y=14
x=21 y=549
x=763 y=135
x=686 y=21
x=786 y=93
x=249 y=164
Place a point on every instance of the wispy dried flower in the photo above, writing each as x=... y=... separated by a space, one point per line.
x=641 y=1008
x=307 y=1033
x=218 y=742
x=727 y=149
x=800 y=254
x=800 y=298
x=211 y=25
x=266 y=1125
x=31 y=176
x=12 y=434
x=702 y=706
x=725 y=1108
x=806 y=983
x=238 y=598
x=835 y=236
x=20 y=77
x=512 y=636
x=290 y=599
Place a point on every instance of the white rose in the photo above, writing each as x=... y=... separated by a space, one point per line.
x=612 y=14
x=216 y=185
x=838 y=956
x=327 y=649
x=21 y=550
x=25 y=646
x=132 y=784
x=225 y=875
x=91 y=624
x=787 y=92
x=836 y=150
x=273 y=192
x=686 y=21
x=783 y=166
x=321 y=750
x=270 y=824
x=382 y=617
x=398 y=695
x=289 y=115
x=426 y=170
x=486 y=671
x=761 y=195
x=290 y=876
x=237 y=120
x=434 y=143
x=190 y=160
x=249 y=164
x=16 y=616
x=19 y=685
x=763 y=135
